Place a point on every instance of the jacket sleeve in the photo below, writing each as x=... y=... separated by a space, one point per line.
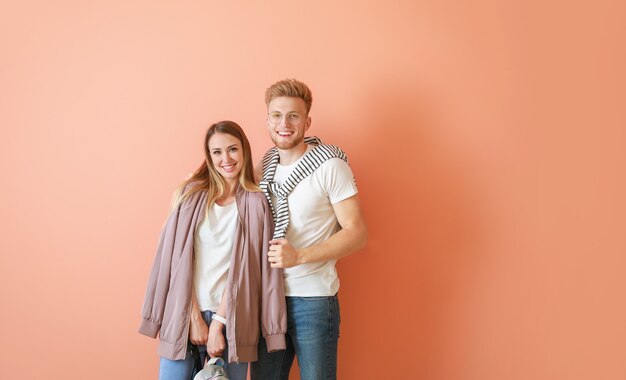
x=159 y=281
x=273 y=308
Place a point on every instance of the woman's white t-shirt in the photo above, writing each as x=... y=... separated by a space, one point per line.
x=213 y=245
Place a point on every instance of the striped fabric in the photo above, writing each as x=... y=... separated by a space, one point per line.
x=307 y=165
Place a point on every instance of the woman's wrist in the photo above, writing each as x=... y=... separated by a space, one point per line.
x=195 y=316
x=218 y=318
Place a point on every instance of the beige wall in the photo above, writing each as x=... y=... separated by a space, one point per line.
x=487 y=139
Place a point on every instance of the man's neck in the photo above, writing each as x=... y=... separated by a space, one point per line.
x=291 y=155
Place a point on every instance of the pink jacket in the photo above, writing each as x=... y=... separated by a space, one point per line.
x=255 y=294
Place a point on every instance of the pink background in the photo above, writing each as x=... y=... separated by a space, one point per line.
x=487 y=138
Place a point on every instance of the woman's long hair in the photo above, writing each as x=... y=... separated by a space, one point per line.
x=207 y=178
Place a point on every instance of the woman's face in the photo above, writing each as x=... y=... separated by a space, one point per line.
x=226 y=155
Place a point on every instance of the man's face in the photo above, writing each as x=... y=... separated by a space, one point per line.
x=287 y=121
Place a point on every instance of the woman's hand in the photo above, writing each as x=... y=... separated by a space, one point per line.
x=216 y=343
x=198 y=330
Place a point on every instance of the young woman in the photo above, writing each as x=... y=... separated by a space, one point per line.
x=211 y=285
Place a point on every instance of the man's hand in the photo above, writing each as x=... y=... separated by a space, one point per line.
x=282 y=254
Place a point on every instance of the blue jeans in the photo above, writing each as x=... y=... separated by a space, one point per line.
x=184 y=369
x=312 y=336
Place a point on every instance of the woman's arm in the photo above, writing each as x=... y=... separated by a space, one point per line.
x=273 y=308
x=198 y=330
x=217 y=343
x=158 y=283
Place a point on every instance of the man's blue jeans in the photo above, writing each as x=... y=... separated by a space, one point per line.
x=312 y=336
x=183 y=369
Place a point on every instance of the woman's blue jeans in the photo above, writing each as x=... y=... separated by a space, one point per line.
x=184 y=369
x=312 y=336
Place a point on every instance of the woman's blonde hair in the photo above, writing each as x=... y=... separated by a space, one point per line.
x=207 y=178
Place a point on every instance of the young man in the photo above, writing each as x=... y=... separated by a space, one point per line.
x=318 y=220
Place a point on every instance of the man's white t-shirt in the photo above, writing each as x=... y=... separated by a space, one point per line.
x=213 y=245
x=312 y=220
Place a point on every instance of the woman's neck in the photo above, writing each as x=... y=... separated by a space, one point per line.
x=229 y=193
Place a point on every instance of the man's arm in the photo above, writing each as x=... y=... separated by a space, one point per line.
x=351 y=238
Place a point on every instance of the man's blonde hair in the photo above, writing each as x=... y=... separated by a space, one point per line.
x=291 y=88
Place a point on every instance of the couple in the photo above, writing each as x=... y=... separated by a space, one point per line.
x=248 y=272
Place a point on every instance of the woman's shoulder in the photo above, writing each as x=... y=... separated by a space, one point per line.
x=192 y=187
x=187 y=193
x=256 y=196
x=187 y=185
x=256 y=199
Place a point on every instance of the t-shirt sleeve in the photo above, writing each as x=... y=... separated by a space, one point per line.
x=337 y=180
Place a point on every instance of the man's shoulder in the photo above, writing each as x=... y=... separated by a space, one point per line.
x=332 y=151
x=334 y=165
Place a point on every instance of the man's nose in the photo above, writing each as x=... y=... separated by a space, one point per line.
x=283 y=121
